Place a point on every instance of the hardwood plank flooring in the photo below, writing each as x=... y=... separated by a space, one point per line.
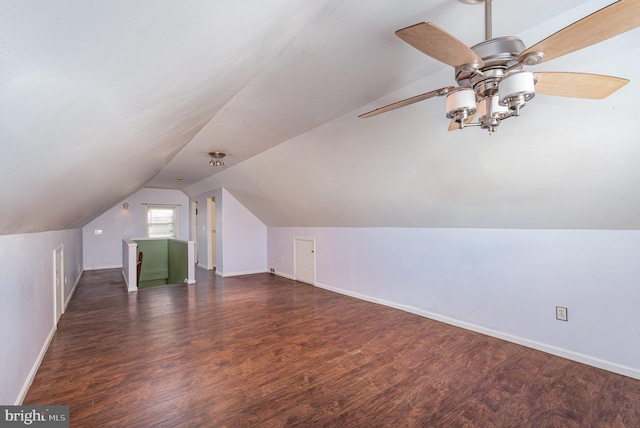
x=262 y=350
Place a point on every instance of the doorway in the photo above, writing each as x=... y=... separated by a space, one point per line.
x=211 y=232
x=58 y=283
x=304 y=260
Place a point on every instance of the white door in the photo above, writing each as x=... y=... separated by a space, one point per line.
x=305 y=260
x=194 y=228
x=58 y=263
x=211 y=239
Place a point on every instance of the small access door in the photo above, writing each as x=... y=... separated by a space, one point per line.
x=58 y=291
x=304 y=264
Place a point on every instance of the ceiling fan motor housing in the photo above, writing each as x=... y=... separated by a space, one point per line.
x=499 y=52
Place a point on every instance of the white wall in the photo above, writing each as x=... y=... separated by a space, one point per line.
x=27 y=302
x=244 y=239
x=241 y=237
x=105 y=250
x=502 y=282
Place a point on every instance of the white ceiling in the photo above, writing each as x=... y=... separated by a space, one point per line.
x=101 y=98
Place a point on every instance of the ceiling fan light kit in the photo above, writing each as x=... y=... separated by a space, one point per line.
x=492 y=81
x=516 y=90
x=490 y=111
x=461 y=102
x=215 y=158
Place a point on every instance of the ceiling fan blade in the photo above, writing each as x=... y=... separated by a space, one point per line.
x=437 y=43
x=417 y=98
x=617 y=18
x=578 y=85
x=454 y=126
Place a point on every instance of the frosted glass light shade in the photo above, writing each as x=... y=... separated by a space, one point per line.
x=495 y=108
x=517 y=85
x=460 y=101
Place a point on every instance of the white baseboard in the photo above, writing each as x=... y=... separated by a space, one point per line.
x=249 y=272
x=285 y=275
x=34 y=369
x=102 y=267
x=549 y=349
x=43 y=351
x=73 y=290
x=126 y=283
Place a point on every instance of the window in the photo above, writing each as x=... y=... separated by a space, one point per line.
x=162 y=222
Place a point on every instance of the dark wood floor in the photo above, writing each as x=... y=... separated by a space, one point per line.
x=261 y=350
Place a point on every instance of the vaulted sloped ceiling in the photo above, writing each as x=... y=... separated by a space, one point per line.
x=99 y=99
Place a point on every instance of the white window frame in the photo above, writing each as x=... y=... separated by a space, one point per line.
x=174 y=221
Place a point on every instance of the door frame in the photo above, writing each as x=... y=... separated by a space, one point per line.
x=194 y=228
x=211 y=225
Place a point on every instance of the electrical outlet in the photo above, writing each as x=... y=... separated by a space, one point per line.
x=98 y=231
x=561 y=313
x=272 y=270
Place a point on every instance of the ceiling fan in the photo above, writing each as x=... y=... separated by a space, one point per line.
x=492 y=82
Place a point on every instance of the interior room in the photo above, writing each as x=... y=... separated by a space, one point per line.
x=469 y=162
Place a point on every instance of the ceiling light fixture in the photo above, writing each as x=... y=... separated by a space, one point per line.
x=493 y=84
x=216 y=158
